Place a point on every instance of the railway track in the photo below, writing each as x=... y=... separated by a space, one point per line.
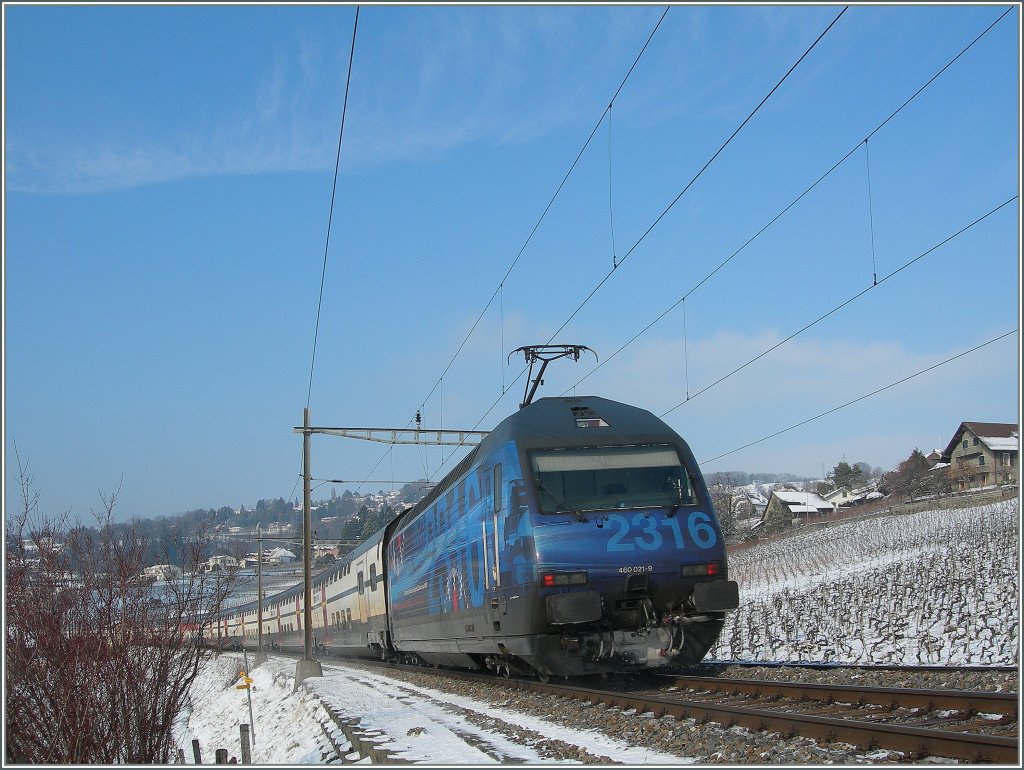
x=974 y=726
x=969 y=702
x=971 y=726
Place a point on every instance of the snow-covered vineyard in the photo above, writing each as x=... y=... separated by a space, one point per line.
x=917 y=589
x=938 y=587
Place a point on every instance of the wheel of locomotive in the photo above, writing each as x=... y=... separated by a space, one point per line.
x=543 y=677
x=698 y=638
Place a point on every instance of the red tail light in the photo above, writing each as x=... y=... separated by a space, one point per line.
x=701 y=570
x=552 y=579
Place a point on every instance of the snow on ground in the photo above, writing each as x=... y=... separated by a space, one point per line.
x=421 y=724
x=409 y=704
x=937 y=587
x=286 y=728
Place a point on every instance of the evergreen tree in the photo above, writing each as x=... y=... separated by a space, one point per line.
x=843 y=475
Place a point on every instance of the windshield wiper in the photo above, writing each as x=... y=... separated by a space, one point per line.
x=561 y=500
x=678 y=483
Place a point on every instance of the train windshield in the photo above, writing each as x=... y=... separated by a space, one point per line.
x=611 y=477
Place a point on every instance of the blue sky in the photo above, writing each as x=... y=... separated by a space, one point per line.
x=168 y=176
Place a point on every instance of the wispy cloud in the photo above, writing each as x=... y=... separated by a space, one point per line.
x=425 y=82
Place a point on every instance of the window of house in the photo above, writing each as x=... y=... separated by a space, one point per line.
x=976 y=441
x=981 y=460
x=965 y=443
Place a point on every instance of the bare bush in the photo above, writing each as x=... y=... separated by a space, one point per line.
x=98 y=660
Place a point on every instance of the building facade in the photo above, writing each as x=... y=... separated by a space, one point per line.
x=983 y=454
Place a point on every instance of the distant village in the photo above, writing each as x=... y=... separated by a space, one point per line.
x=978 y=456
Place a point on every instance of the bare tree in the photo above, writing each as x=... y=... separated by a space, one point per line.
x=98 y=661
x=725 y=499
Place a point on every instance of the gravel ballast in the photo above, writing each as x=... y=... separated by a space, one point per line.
x=711 y=743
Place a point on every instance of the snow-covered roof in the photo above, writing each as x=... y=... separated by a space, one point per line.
x=1000 y=443
x=792 y=497
x=841 y=492
x=985 y=431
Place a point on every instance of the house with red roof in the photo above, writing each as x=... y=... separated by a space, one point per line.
x=983 y=454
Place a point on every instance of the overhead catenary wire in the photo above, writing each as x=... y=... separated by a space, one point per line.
x=666 y=210
x=547 y=208
x=607 y=359
x=611 y=208
x=499 y=290
x=871 y=212
x=698 y=175
x=843 y=304
x=860 y=398
x=879 y=127
x=330 y=214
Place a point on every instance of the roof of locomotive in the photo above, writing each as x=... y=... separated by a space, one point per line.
x=553 y=422
x=581 y=421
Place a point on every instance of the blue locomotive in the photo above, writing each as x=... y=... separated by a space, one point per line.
x=578 y=537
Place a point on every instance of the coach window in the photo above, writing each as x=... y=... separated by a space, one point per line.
x=497 y=487
x=359 y=580
x=373 y=577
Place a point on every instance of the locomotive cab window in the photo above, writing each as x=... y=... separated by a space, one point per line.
x=607 y=478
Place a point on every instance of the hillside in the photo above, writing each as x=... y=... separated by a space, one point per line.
x=935 y=587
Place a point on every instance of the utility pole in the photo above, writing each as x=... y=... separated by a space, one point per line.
x=218 y=596
x=308 y=667
x=261 y=656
